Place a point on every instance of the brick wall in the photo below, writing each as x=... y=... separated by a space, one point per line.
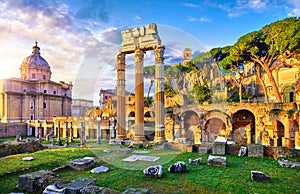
x=12 y=129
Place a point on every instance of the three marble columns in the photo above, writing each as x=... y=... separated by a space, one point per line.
x=139 y=96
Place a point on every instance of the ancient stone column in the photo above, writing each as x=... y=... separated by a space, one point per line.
x=159 y=95
x=248 y=134
x=121 y=114
x=139 y=97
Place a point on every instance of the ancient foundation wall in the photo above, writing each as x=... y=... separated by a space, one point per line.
x=12 y=129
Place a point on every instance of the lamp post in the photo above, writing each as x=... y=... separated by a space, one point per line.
x=52 y=139
x=66 y=143
x=40 y=130
x=99 y=129
x=71 y=132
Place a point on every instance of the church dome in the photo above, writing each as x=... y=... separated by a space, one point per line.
x=35 y=67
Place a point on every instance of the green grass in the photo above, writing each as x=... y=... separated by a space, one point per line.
x=235 y=178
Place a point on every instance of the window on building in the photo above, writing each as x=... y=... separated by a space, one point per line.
x=105 y=97
x=129 y=99
x=33 y=76
x=54 y=92
x=31 y=105
x=253 y=85
x=45 y=105
x=45 y=91
x=31 y=117
x=44 y=77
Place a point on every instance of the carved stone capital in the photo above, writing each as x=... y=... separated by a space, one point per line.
x=139 y=56
x=159 y=54
x=121 y=61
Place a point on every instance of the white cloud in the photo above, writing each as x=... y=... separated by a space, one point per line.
x=137 y=18
x=201 y=19
x=257 y=4
x=189 y=5
x=242 y=7
x=294 y=13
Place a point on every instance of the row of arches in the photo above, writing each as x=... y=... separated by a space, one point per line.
x=239 y=127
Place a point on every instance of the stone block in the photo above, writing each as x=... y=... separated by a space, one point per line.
x=82 y=163
x=153 y=171
x=136 y=191
x=74 y=186
x=178 y=167
x=243 y=151
x=202 y=150
x=35 y=182
x=216 y=161
x=219 y=148
x=195 y=161
x=260 y=176
x=100 y=169
x=233 y=149
x=255 y=150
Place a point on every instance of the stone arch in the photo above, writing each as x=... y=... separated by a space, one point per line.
x=190 y=127
x=213 y=127
x=149 y=114
x=131 y=114
x=280 y=132
x=217 y=123
x=243 y=127
x=288 y=93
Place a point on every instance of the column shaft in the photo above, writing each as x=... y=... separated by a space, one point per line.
x=139 y=97
x=159 y=95
x=121 y=114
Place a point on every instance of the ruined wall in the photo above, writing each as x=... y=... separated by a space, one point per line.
x=12 y=129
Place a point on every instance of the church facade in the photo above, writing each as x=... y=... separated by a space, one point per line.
x=34 y=96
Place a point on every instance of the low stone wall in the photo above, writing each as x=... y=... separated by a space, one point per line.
x=12 y=129
x=268 y=151
x=278 y=152
x=11 y=148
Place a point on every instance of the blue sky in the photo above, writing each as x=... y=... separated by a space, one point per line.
x=80 y=38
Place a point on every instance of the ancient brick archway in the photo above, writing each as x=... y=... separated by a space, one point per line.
x=243 y=126
x=138 y=41
x=189 y=127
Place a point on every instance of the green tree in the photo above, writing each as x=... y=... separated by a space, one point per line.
x=148 y=100
x=169 y=91
x=269 y=47
x=202 y=93
x=229 y=65
x=176 y=74
x=149 y=73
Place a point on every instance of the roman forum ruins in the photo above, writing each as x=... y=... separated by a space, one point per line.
x=138 y=41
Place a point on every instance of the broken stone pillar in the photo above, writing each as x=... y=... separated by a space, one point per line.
x=159 y=95
x=139 y=97
x=121 y=114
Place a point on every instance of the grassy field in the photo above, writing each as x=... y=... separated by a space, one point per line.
x=235 y=178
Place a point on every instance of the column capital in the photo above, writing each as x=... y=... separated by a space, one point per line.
x=139 y=55
x=121 y=61
x=159 y=54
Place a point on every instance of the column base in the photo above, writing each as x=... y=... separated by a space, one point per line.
x=120 y=137
x=138 y=139
x=159 y=139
